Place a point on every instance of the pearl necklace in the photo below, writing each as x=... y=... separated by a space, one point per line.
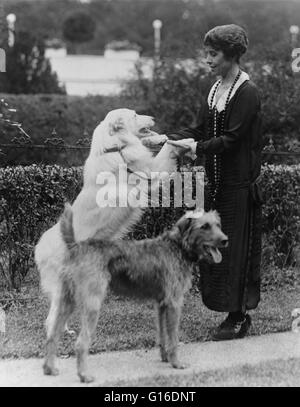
x=213 y=130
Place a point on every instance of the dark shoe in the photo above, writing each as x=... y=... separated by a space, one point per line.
x=230 y=329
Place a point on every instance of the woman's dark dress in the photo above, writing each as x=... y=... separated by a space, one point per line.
x=234 y=284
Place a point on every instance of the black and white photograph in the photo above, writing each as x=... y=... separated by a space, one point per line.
x=150 y=196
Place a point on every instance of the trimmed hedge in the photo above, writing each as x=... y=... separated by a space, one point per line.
x=32 y=198
x=69 y=115
x=281 y=214
x=73 y=117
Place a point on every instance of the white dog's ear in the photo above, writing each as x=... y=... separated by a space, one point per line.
x=116 y=126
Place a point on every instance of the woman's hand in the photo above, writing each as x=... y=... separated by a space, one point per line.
x=187 y=146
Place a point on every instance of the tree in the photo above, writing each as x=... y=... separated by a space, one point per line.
x=27 y=69
x=79 y=27
x=3 y=27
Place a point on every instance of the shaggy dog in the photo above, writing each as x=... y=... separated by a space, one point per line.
x=158 y=269
x=116 y=141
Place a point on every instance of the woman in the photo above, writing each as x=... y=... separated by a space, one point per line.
x=229 y=137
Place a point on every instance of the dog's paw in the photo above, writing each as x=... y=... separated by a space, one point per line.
x=155 y=139
x=70 y=332
x=164 y=355
x=50 y=370
x=85 y=378
x=178 y=365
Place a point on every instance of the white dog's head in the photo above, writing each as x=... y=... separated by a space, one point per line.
x=128 y=121
x=121 y=127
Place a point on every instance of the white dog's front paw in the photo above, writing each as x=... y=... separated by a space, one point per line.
x=155 y=139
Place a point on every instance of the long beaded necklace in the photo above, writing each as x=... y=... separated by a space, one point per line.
x=213 y=130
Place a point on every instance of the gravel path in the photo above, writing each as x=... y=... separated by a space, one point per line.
x=110 y=367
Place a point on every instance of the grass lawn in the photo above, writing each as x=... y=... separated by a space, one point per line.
x=278 y=373
x=126 y=324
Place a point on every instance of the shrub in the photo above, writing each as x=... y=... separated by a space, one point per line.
x=32 y=199
x=281 y=214
x=79 y=27
x=280 y=90
x=27 y=69
x=174 y=96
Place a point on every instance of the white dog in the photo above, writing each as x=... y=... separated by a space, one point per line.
x=116 y=141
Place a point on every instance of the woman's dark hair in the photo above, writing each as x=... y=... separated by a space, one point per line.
x=231 y=39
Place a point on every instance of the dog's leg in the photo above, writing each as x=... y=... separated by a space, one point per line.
x=89 y=318
x=172 y=323
x=62 y=307
x=49 y=363
x=162 y=330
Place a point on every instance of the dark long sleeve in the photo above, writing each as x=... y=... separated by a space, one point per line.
x=245 y=109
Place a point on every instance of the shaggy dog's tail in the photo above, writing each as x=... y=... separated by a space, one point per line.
x=66 y=226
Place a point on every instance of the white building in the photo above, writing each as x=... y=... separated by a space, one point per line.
x=94 y=74
x=103 y=75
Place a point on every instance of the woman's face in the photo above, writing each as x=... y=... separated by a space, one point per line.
x=216 y=60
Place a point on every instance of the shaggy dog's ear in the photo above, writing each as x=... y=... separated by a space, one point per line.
x=184 y=224
x=180 y=228
x=116 y=126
